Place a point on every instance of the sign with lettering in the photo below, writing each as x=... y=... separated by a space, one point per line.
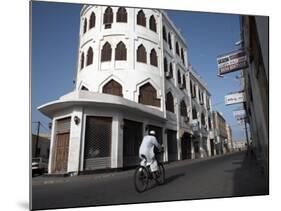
x=235 y=98
x=232 y=61
x=239 y=114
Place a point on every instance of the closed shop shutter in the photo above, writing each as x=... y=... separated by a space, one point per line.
x=132 y=138
x=172 y=145
x=97 y=154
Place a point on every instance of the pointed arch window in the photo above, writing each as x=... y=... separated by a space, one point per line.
x=182 y=56
x=113 y=88
x=183 y=82
x=183 y=108
x=92 y=20
x=165 y=65
x=177 y=48
x=90 y=56
x=194 y=113
x=203 y=119
x=148 y=95
x=121 y=15
x=141 y=19
x=141 y=54
x=169 y=40
x=153 y=58
x=106 y=52
x=108 y=18
x=152 y=24
x=82 y=61
x=164 y=33
x=179 y=77
x=120 y=51
x=85 y=26
x=171 y=70
x=170 y=102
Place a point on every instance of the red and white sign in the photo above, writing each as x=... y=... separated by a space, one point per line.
x=231 y=62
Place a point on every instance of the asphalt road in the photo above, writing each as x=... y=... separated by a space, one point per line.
x=225 y=176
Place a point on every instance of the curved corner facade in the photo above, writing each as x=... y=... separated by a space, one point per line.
x=133 y=75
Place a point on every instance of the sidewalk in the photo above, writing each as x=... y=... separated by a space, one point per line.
x=97 y=176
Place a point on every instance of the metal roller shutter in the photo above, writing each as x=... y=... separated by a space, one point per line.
x=132 y=137
x=97 y=154
x=172 y=145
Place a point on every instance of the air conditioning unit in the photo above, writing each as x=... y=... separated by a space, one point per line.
x=168 y=74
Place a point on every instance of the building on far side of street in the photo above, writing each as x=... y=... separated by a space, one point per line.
x=229 y=138
x=220 y=133
x=239 y=145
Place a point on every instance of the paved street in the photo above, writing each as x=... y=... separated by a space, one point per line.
x=223 y=176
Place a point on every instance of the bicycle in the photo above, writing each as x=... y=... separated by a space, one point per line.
x=143 y=175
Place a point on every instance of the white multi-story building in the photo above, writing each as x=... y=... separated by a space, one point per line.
x=132 y=76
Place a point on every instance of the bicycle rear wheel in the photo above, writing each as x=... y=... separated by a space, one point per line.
x=141 y=179
x=161 y=178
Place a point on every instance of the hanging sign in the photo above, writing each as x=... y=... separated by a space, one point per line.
x=232 y=61
x=238 y=97
x=239 y=114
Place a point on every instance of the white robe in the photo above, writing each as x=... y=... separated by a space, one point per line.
x=147 y=149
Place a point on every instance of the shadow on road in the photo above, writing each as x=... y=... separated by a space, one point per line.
x=173 y=177
x=248 y=178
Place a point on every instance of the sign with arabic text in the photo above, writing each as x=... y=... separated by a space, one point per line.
x=235 y=98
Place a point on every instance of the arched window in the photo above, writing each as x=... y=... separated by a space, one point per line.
x=82 y=61
x=203 y=119
x=191 y=88
x=113 y=88
x=108 y=17
x=171 y=70
x=92 y=20
x=179 y=77
x=120 y=51
x=164 y=33
x=177 y=48
x=170 y=102
x=169 y=40
x=183 y=82
x=141 y=54
x=194 y=113
x=106 y=52
x=183 y=108
x=152 y=23
x=148 y=95
x=165 y=65
x=182 y=56
x=84 y=88
x=121 y=15
x=90 y=55
x=141 y=19
x=85 y=26
x=153 y=58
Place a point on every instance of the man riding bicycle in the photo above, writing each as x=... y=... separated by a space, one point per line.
x=146 y=152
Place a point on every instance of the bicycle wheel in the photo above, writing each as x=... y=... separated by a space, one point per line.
x=161 y=178
x=141 y=179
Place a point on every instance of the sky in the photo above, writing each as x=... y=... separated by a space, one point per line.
x=55 y=39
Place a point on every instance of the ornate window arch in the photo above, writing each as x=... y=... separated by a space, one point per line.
x=165 y=65
x=141 y=19
x=183 y=109
x=106 y=52
x=90 y=56
x=108 y=17
x=170 y=102
x=148 y=95
x=164 y=33
x=92 y=20
x=141 y=54
x=153 y=58
x=152 y=23
x=121 y=51
x=113 y=87
x=121 y=15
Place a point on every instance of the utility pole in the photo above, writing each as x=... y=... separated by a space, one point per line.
x=37 y=138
